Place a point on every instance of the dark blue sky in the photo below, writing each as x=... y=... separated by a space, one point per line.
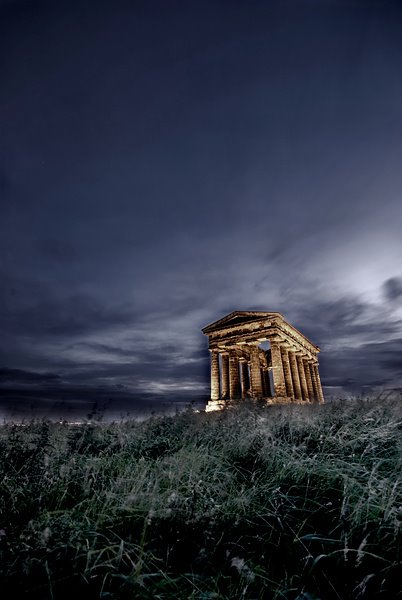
x=164 y=163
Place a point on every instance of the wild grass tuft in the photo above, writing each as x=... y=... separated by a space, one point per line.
x=281 y=502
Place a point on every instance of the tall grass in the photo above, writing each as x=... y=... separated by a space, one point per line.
x=290 y=502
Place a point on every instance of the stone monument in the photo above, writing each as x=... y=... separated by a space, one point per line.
x=259 y=355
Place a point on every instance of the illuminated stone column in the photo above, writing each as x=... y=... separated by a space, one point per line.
x=318 y=382
x=319 y=386
x=308 y=379
x=286 y=372
x=225 y=375
x=245 y=380
x=313 y=381
x=302 y=377
x=234 y=380
x=214 y=375
x=277 y=370
x=295 y=374
x=255 y=372
x=318 y=397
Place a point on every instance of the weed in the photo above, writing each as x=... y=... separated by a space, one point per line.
x=291 y=502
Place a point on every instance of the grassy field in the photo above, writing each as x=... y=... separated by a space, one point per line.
x=295 y=502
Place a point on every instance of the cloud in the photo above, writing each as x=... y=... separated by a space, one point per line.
x=392 y=288
x=153 y=346
x=369 y=366
x=332 y=321
x=16 y=376
x=35 y=308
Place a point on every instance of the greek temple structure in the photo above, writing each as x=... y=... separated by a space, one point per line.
x=259 y=355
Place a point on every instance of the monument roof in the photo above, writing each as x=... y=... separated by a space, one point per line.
x=238 y=317
x=244 y=317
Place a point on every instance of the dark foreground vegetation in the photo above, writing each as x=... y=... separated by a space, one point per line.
x=299 y=502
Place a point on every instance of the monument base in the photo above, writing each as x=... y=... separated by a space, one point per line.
x=216 y=405
x=222 y=404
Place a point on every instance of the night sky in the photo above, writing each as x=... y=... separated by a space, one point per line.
x=165 y=163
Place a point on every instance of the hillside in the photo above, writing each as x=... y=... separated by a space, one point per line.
x=290 y=502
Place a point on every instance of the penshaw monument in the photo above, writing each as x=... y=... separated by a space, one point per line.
x=259 y=355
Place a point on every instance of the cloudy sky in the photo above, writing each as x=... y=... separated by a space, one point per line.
x=165 y=163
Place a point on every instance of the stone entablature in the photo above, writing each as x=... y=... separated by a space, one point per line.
x=287 y=372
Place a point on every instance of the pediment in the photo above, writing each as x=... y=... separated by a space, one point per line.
x=238 y=318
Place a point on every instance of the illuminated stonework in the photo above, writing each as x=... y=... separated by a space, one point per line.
x=243 y=367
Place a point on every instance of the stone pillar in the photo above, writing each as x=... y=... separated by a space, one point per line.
x=266 y=389
x=295 y=374
x=263 y=383
x=286 y=372
x=245 y=381
x=255 y=372
x=270 y=387
x=302 y=377
x=214 y=375
x=225 y=376
x=318 y=380
x=277 y=370
x=315 y=381
x=234 y=380
x=308 y=379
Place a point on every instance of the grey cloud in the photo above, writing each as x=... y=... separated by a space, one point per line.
x=144 y=376
x=370 y=365
x=8 y=376
x=34 y=309
x=107 y=349
x=328 y=321
x=153 y=350
x=200 y=355
x=146 y=364
x=393 y=288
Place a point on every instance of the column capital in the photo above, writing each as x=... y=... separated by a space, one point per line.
x=276 y=339
x=307 y=357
